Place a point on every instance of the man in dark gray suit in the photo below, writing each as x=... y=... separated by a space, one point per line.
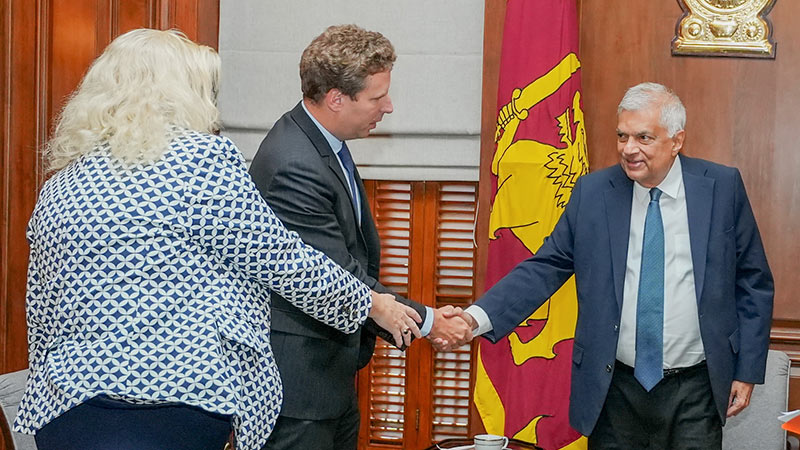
x=304 y=170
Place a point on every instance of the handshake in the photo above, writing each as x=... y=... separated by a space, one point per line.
x=452 y=327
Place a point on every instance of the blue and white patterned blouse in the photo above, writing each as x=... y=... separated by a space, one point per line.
x=153 y=284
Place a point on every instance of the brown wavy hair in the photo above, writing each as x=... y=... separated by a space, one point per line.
x=341 y=58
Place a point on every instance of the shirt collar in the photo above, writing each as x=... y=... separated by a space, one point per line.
x=333 y=141
x=669 y=186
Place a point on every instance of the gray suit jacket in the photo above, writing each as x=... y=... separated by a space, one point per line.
x=299 y=175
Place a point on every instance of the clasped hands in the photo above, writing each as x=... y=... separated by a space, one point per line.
x=395 y=317
x=452 y=327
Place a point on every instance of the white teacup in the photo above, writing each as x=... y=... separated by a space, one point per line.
x=490 y=442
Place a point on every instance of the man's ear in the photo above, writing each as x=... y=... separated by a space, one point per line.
x=334 y=100
x=677 y=142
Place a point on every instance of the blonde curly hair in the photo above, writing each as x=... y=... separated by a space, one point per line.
x=146 y=84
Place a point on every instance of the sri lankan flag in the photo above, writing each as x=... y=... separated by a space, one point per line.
x=523 y=381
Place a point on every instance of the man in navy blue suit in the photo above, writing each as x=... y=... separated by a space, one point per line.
x=674 y=290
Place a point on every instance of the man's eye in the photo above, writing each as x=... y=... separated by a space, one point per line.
x=622 y=137
x=646 y=139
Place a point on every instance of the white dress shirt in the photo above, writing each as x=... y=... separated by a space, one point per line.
x=683 y=346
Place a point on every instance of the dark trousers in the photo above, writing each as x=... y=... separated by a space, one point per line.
x=105 y=424
x=677 y=414
x=340 y=433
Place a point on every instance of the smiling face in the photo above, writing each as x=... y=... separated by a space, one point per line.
x=645 y=148
x=357 y=117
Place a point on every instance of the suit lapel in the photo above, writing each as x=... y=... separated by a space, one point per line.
x=366 y=216
x=320 y=143
x=699 y=201
x=618 y=200
x=326 y=153
x=368 y=229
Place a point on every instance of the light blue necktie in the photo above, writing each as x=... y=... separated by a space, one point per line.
x=350 y=167
x=650 y=306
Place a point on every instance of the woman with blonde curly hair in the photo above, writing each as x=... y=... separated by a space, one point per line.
x=152 y=259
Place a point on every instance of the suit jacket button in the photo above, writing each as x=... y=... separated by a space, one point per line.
x=616 y=327
x=609 y=367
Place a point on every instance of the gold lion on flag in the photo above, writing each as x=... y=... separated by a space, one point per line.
x=523 y=167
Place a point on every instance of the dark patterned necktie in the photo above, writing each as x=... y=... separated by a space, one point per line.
x=350 y=167
x=650 y=305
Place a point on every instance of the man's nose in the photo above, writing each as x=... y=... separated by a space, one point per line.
x=387 y=106
x=629 y=146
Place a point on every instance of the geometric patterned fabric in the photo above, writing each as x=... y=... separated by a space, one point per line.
x=648 y=368
x=151 y=283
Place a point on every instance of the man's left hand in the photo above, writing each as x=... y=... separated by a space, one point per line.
x=739 y=398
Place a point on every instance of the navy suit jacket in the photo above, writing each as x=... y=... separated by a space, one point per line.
x=732 y=280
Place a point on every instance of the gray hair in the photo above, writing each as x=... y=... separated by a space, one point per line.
x=645 y=95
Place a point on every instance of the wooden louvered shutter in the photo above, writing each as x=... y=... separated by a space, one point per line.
x=426 y=229
x=381 y=384
x=454 y=275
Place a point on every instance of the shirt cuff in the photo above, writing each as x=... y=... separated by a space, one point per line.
x=482 y=319
x=425 y=329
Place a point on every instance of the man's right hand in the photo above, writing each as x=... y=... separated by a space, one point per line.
x=450 y=329
x=450 y=312
x=395 y=317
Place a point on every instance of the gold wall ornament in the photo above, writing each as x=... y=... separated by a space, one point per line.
x=724 y=28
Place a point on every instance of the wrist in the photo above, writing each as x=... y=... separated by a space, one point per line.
x=473 y=324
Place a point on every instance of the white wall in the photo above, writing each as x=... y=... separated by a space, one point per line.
x=433 y=133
